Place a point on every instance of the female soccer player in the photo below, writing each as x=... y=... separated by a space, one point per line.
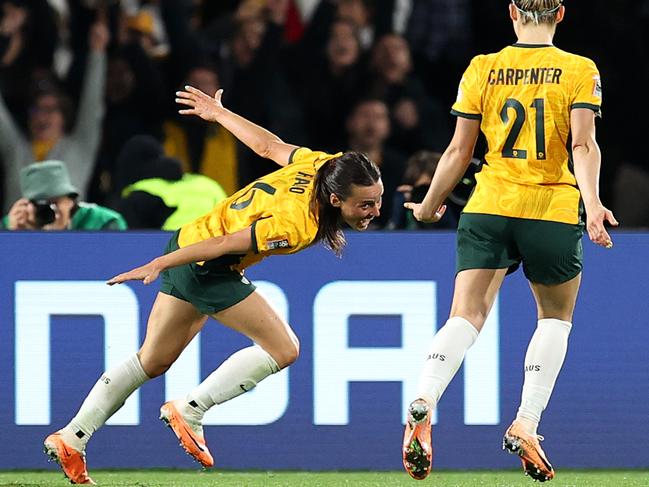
x=305 y=202
x=530 y=100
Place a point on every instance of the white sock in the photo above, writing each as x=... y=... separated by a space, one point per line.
x=241 y=372
x=104 y=399
x=543 y=361
x=447 y=351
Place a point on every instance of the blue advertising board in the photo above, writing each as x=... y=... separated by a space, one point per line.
x=364 y=322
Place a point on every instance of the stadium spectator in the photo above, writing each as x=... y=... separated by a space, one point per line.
x=418 y=120
x=328 y=78
x=28 y=37
x=305 y=202
x=419 y=173
x=50 y=118
x=259 y=90
x=50 y=202
x=135 y=98
x=203 y=148
x=526 y=208
x=440 y=35
x=155 y=192
x=368 y=129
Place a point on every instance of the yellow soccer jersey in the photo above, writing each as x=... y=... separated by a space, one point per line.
x=523 y=96
x=275 y=207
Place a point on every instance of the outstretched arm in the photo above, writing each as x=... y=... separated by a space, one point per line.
x=450 y=170
x=260 y=140
x=587 y=161
x=236 y=243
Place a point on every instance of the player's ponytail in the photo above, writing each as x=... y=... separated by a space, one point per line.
x=336 y=176
x=538 y=11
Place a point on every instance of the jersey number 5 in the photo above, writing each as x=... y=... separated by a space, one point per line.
x=509 y=150
x=241 y=204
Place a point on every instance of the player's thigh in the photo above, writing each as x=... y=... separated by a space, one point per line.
x=258 y=320
x=475 y=293
x=556 y=300
x=172 y=324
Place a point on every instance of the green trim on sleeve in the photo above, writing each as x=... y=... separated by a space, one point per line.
x=590 y=106
x=253 y=235
x=470 y=116
x=290 y=158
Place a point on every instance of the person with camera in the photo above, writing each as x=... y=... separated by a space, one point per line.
x=49 y=202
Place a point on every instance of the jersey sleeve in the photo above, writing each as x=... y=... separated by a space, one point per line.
x=588 y=89
x=275 y=233
x=304 y=155
x=468 y=104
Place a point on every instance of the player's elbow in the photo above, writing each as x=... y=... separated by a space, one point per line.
x=459 y=154
x=585 y=146
x=264 y=149
x=268 y=148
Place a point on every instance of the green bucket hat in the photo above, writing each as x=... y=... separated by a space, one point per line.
x=45 y=180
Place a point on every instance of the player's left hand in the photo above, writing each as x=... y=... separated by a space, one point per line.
x=146 y=273
x=425 y=217
x=596 y=216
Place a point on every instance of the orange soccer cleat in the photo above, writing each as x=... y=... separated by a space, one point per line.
x=72 y=462
x=417 y=447
x=190 y=435
x=526 y=446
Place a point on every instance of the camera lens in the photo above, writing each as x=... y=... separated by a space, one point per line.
x=44 y=212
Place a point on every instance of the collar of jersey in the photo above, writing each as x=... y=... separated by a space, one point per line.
x=531 y=46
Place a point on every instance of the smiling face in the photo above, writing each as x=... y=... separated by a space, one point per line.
x=361 y=206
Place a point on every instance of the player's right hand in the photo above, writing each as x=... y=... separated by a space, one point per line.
x=595 y=218
x=201 y=104
x=424 y=216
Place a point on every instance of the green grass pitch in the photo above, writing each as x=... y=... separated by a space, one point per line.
x=184 y=478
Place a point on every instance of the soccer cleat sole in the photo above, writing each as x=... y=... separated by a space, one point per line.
x=514 y=447
x=416 y=461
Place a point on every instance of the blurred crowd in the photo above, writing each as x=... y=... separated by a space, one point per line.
x=88 y=86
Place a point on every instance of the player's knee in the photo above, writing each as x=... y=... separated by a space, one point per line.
x=288 y=354
x=476 y=318
x=155 y=366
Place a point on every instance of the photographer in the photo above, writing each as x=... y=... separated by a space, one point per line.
x=419 y=173
x=49 y=202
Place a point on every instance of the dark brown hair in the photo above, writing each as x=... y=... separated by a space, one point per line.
x=337 y=176
x=421 y=162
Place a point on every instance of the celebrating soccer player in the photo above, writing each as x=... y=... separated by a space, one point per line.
x=305 y=202
x=536 y=106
